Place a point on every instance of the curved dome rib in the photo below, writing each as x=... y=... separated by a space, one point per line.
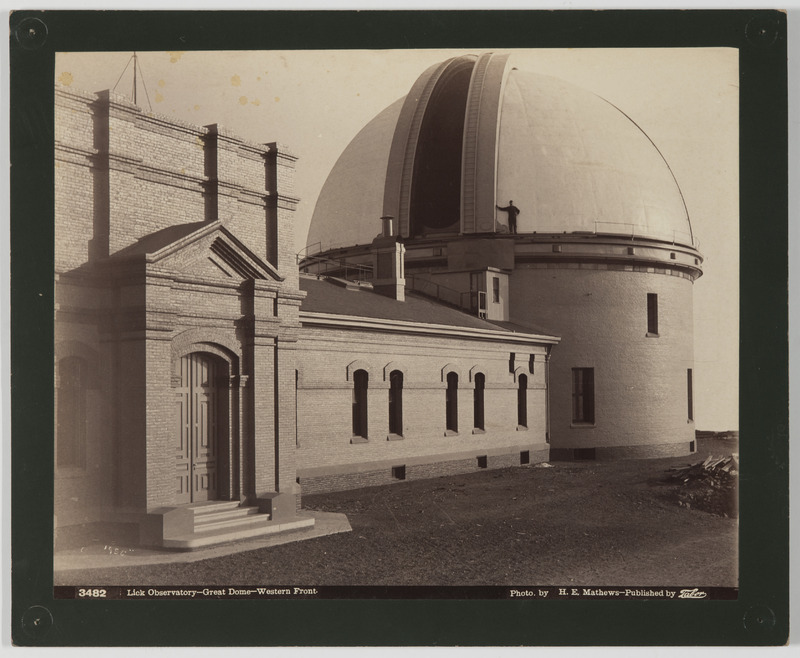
x=573 y=162
x=672 y=173
x=481 y=135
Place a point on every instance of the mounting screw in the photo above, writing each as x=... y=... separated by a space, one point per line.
x=31 y=33
x=36 y=621
x=762 y=31
x=759 y=619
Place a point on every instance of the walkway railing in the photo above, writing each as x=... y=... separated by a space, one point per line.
x=473 y=301
x=330 y=267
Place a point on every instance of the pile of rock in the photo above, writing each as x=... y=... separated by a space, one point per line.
x=710 y=485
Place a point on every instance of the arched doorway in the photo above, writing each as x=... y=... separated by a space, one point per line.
x=202 y=426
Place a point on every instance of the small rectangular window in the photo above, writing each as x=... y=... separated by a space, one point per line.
x=399 y=472
x=652 y=313
x=583 y=395
x=483 y=461
x=689 y=393
x=525 y=457
x=495 y=290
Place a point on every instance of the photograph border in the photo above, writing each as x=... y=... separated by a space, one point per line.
x=759 y=616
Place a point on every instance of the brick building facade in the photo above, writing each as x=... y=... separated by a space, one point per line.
x=176 y=318
x=201 y=384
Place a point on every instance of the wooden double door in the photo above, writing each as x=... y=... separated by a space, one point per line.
x=202 y=426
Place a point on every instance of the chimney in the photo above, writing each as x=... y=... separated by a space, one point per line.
x=388 y=273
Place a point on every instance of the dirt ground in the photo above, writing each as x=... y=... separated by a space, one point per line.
x=588 y=523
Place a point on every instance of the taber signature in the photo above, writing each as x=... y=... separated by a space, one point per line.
x=694 y=593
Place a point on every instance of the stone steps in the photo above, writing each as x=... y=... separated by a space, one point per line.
x=220 y=522
x=212 y=519
x=246 y=528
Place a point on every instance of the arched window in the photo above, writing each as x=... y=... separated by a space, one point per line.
x=477 y=401
x=71 y=432
x=360 y=386
x=522 y=401
x=396 y=402
x=451 y=406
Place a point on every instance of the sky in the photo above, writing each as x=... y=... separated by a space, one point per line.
x=315 y=102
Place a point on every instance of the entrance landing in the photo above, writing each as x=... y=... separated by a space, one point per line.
x=101 y=556
x=225 y=521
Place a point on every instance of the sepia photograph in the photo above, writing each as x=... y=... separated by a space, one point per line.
x=455 y=323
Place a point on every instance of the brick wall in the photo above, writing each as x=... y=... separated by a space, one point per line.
x=123 y=174
x=327 y=355
x=601 y=317
x=281 y=163
x=74 y=178
x=81 y=491
x=155 y=170
x=441 y=467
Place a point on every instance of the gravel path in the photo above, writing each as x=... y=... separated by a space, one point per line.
x=588 y=523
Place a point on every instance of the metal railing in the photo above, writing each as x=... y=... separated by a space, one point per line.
x=635 y=231
x=473 y=301
x=340 y=268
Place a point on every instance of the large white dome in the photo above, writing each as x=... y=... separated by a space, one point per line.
x=570 y=160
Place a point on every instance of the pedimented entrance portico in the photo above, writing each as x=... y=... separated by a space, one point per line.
x=208 y=329
x=177 y=303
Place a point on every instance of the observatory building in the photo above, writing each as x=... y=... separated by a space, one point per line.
x=499 y=272
x=602 y=254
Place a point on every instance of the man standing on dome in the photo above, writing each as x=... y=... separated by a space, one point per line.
x=512 y=211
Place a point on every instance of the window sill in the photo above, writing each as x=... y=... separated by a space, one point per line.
x=649 y=335
x=358 y=439
x=579 y=425
x=451 y=433
x=478 y=430
x=522 y=428
x=394 y=437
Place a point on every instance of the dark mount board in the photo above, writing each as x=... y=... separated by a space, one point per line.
x=759 y=616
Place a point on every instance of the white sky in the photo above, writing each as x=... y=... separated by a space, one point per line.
x=686 y=100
